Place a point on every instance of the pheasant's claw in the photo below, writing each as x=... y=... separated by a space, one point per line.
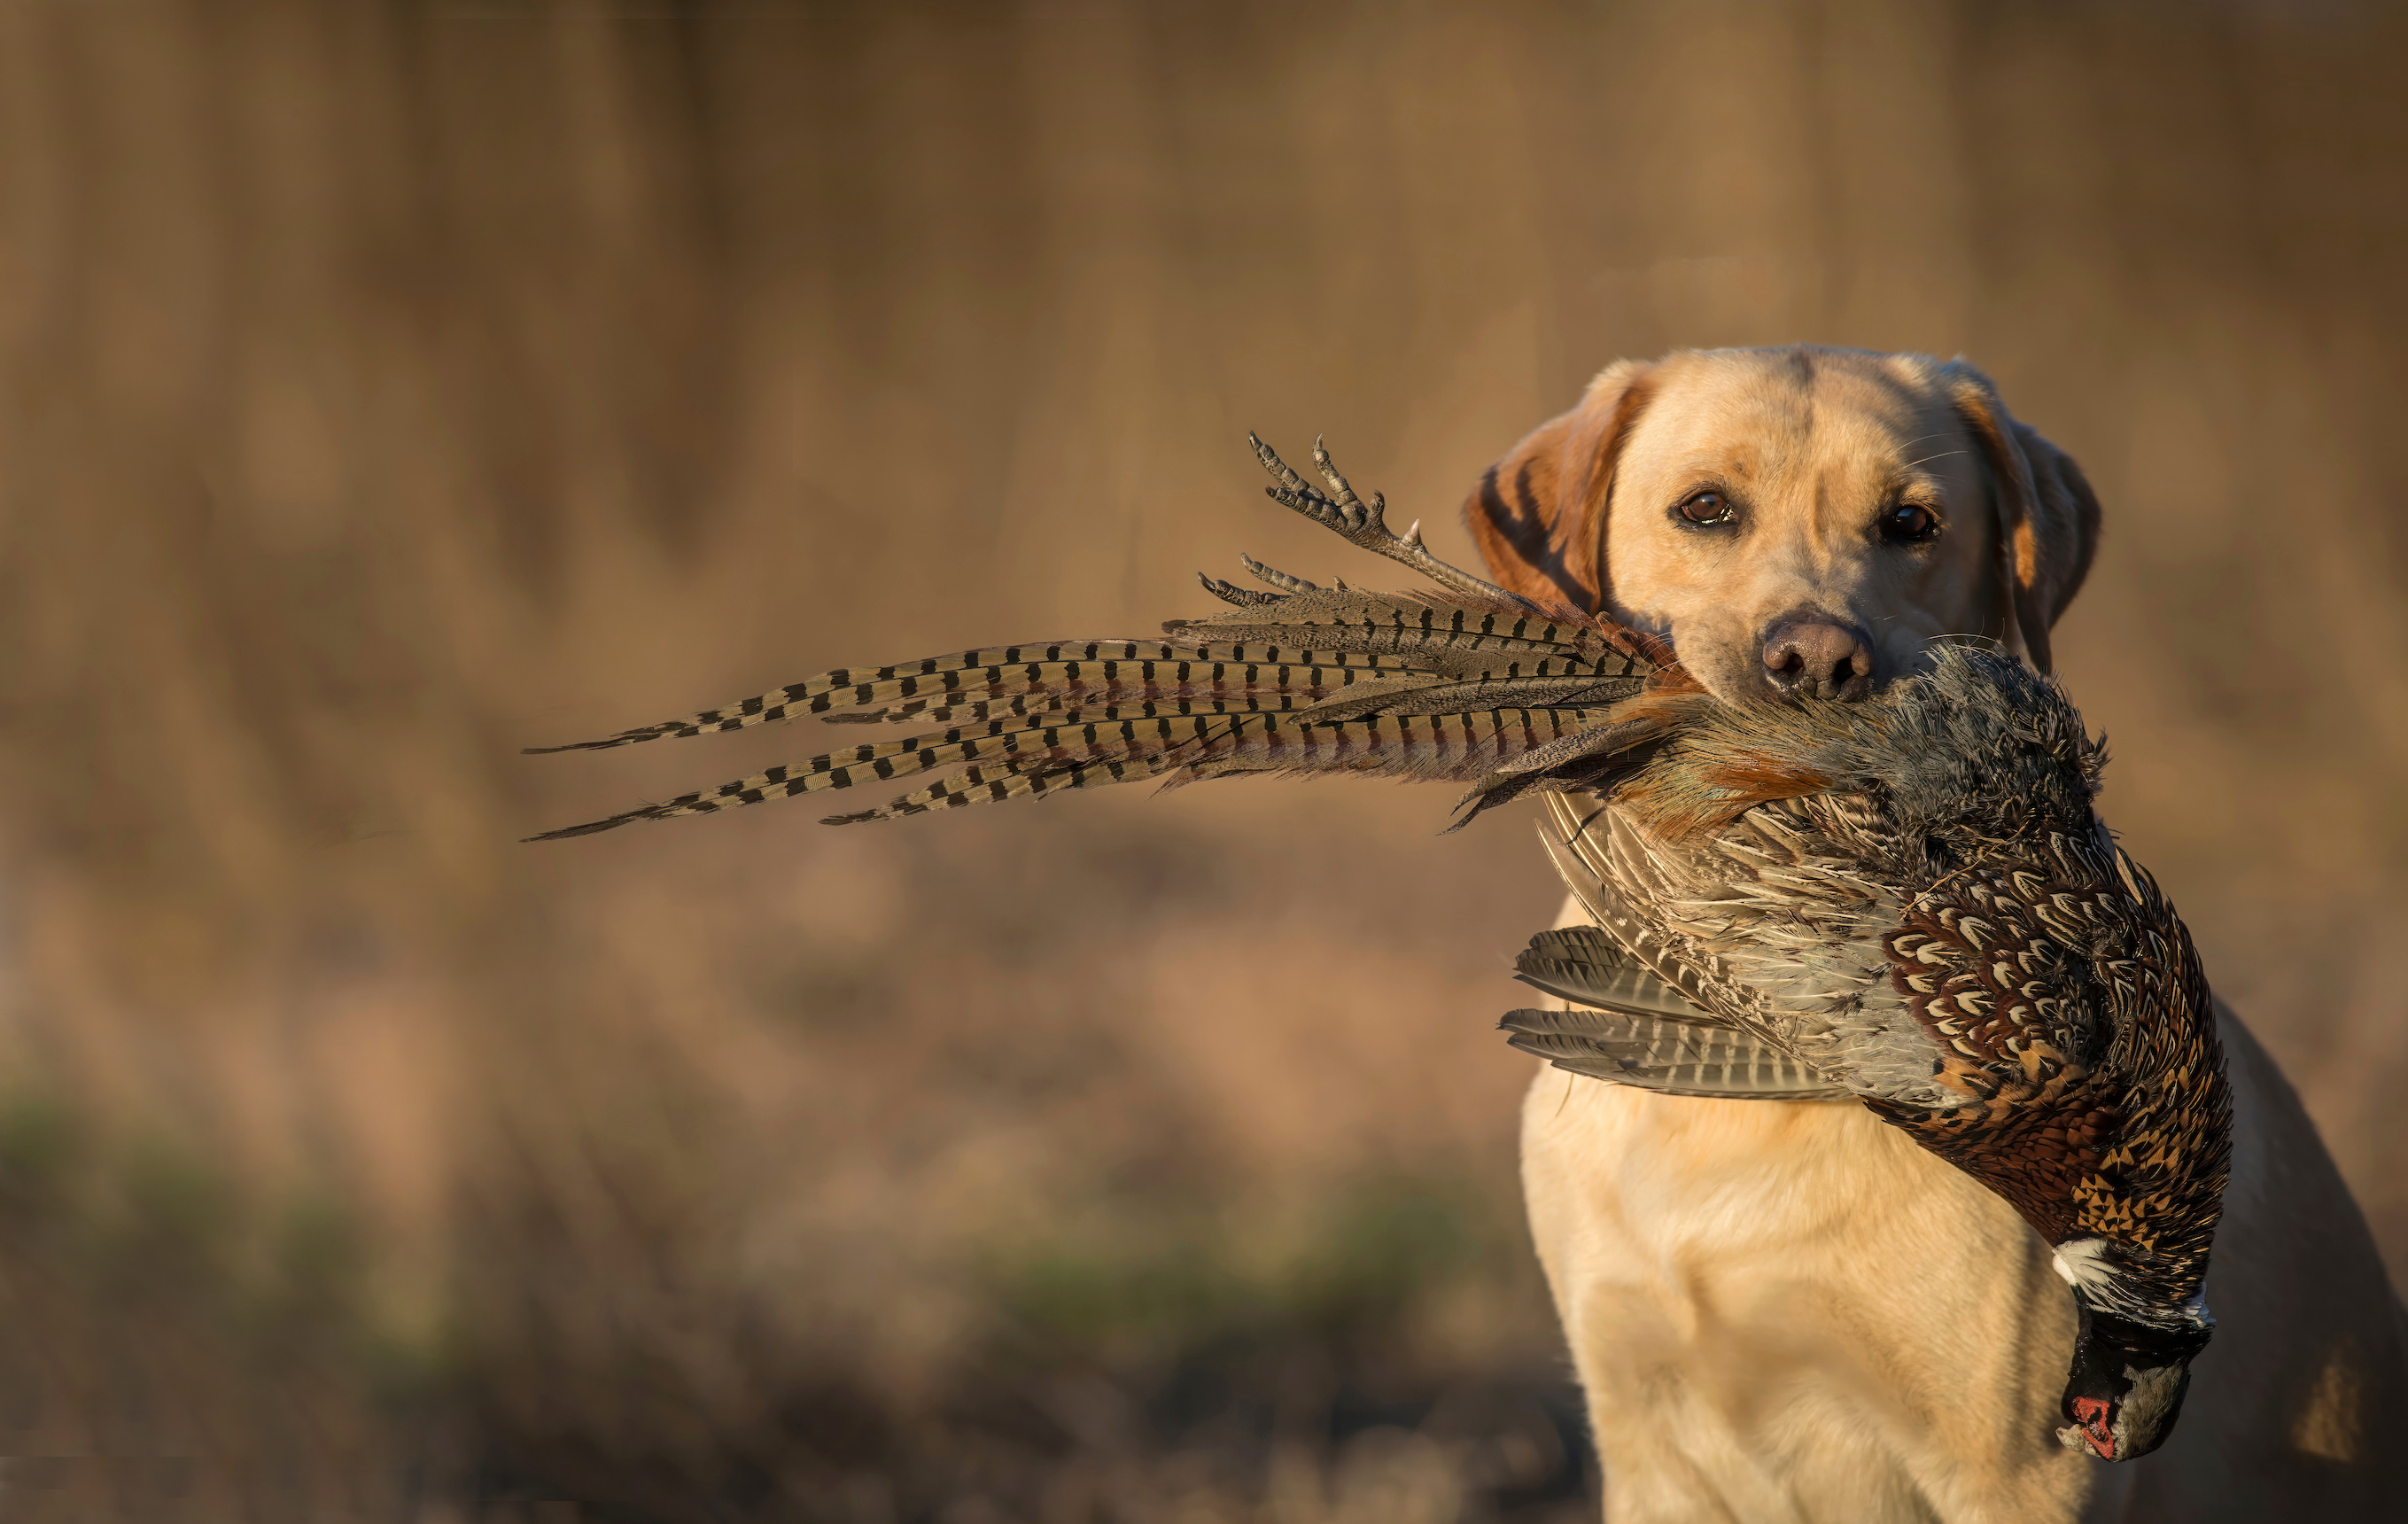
x=1245 y=598
x=1273 y=576
x=1311 y=504
x=1277 y=466
x=1345 y=514
x=1358 y=518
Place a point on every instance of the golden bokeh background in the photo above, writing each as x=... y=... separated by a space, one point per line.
x=389 y=387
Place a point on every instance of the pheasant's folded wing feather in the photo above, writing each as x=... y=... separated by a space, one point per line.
x=1661 y=1054
x=1641 y=1031
x=1761 y=927
x=1620 y=891
x=1584 y=965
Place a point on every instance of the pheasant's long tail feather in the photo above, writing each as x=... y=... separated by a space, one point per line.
x=1008 y=757
x=1457 y=637
x=1241 y=678
x=1594 y=759
x=1098 y=670
x=1189 y=749
x=1209 y=679
x=1421 y=695
x=1473 y=683
x=1409 y=747
x=1014 y=778
x=1055 y=705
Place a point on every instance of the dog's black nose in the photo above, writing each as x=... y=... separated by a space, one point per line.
x=1812 y=656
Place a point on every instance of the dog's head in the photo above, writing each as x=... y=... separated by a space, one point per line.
x=1798 y=521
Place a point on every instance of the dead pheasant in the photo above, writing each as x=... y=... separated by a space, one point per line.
x=1908 y=903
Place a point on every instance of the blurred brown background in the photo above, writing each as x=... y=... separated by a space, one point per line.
x=389 y=387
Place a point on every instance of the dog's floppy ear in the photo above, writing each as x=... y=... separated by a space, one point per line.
x=2049 y=518
x=1539 y=514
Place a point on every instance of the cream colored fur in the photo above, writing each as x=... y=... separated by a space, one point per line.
x=1785 y=1311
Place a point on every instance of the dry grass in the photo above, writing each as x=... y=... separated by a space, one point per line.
x=390 y=388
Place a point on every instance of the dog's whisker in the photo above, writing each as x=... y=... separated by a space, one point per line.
x=1928 y=459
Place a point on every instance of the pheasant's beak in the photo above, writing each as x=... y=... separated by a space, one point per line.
x=2125 y=1390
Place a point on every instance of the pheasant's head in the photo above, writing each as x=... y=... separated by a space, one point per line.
x=2128 y=1377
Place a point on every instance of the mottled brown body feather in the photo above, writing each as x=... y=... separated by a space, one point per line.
x=2030 y=1008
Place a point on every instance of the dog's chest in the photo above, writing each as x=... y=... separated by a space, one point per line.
x=1792 y=1305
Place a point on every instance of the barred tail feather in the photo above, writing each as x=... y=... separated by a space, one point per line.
x=1002 y=749
x=1066 y=707
x=1011 y=779
x=1322 y=681
x=1593 y=758
x=1099 y=669
x=1538 y=689
x=849 y=687
x=995 y=741
x=1212 y=678
x=1010 y=757
x=1456 y=637
x=1409 y=748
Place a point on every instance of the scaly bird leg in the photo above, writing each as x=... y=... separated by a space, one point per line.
x=1365 y=525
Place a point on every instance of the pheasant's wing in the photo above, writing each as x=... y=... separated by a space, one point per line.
x=1585 y=966
x=1673 y=1057
x=1621 y=892
x=1641 y=1031
x=1767 y=925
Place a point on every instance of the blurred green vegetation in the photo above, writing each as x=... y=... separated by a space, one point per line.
x=1156 y=1289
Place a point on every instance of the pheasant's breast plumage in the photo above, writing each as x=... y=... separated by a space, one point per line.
x=1915 y=898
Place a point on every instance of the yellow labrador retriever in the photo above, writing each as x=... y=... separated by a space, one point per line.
x=1786 y=1311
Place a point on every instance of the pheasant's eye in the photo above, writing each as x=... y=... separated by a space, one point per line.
x=1910 y=524
x=1706 y=507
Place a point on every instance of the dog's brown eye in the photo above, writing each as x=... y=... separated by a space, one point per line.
x=1910 y=524
x=1706 y=508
